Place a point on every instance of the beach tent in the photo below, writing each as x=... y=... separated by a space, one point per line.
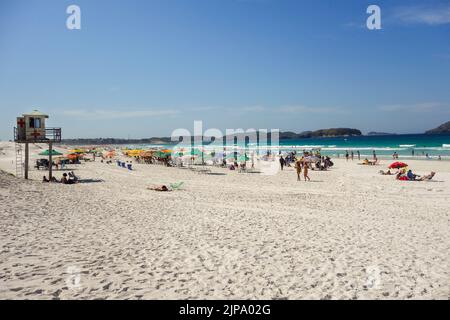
x=47 y=153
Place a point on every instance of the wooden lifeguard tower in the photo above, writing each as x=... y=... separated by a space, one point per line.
x=31 y=129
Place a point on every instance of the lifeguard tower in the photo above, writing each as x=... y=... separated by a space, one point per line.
x=31 y=129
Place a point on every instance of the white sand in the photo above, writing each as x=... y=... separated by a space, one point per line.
x=348 y=234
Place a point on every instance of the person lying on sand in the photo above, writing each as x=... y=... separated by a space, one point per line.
x=367 y=162
x=163 y=187
x=159 y=188
x=427 y=177
x=401 y=176
x=53 y=179
x=387 y=173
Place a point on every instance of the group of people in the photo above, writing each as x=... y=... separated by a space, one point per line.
x=308 y=161
x=302 y=164
x=70 y=178
x=408 y=175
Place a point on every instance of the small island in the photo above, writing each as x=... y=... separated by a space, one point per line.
x=442 y=129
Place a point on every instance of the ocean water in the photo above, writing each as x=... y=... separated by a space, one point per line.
x=384 y=146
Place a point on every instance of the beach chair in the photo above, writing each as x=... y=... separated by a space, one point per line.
x=253 y=170
x=204 y=170
x=242 y=169
x=176 y=186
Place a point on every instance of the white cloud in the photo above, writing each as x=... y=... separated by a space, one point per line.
x=306 y=109
x=97 y=114
x=417 y=107
x=435 y=15
x=116 y=114
x=202 y=109
x=290 y=109
x=253 y=109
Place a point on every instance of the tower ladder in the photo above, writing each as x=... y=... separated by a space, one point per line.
x=19 y=160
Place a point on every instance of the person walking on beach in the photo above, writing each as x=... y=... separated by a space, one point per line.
x=412 y=152
x=298 y=168
x=352 y=155
x=282 y=163
x=305 y=171
x=374 y=155
x=359 y=155
x=346 y=155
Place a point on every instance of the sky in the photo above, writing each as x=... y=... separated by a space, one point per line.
x=139 y=69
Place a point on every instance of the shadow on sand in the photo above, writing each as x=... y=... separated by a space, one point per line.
x=90 y=180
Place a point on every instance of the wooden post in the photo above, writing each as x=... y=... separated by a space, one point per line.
x=26 y=161
x=50 y=161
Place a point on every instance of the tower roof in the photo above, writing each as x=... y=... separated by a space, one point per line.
x=36 y=113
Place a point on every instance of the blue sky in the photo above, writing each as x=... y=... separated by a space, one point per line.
x=144 y=68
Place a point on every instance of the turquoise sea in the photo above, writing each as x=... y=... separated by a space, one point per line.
x=406 y=145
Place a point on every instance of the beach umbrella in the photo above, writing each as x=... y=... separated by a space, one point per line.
x=196 y=152
x=76 y=151
x=397 y=165
x=160 y=154
x=110 y=154
x=47 y=153
x=73 y=156
x=243 y=157
x=230 y=156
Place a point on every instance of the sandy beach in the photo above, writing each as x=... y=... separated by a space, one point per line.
x=350 y=233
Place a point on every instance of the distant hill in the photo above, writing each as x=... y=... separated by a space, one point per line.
x=333 y=132
x=112 y=141
x=374 y=133
x=443 y=128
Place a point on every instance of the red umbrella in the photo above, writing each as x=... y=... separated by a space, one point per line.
x=398 y=165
